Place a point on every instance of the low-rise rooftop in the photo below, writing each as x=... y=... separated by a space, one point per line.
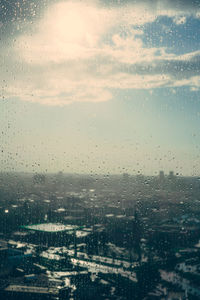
x=51 y=227
x=30 y=289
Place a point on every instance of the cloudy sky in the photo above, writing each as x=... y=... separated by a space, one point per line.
x=100 y=86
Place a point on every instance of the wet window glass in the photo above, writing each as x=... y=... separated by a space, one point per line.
x=100 y=149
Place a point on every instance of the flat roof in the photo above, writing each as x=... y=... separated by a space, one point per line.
x=30 y=289
x=51 y=227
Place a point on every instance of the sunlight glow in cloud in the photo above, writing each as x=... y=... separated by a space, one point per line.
x=82 y=52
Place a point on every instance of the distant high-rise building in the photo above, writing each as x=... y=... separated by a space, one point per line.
x=171 y=175
x=161 y=175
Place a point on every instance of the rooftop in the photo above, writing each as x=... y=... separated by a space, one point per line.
x=30 y=289
x=51 y=227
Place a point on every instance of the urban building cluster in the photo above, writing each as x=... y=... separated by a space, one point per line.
x=66 y=236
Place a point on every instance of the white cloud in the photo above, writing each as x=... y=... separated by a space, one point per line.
x=73 y=30
x=68 y=59
x=193 y=83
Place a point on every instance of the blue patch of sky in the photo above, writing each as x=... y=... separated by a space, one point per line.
x=171 y=116
x=178 y=39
